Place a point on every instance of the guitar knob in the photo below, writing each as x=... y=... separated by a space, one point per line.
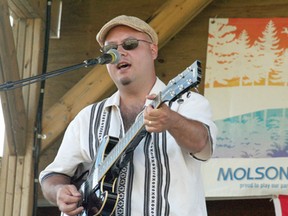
x=180 y=101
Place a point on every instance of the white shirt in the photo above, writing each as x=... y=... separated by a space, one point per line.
x=164 y=179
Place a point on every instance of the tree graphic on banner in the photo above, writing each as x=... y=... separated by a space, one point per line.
x=248 y=62
x=234 y=62
x=220 y=39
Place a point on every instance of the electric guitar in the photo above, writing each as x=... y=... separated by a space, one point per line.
x=99 y=195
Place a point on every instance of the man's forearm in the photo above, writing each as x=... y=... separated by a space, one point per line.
x=189 y=134
x=51 y=184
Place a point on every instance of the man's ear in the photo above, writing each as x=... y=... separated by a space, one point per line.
x=154 y=49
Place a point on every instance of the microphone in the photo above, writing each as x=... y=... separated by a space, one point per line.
x=112 y=57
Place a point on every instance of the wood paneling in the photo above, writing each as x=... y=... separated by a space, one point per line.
x=27 y=8
x=12 y=101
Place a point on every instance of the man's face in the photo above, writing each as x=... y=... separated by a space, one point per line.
x=136 y=66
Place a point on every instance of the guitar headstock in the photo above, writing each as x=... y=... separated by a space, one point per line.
x=184 y=81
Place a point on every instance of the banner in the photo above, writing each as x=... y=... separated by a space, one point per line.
x=246 y=82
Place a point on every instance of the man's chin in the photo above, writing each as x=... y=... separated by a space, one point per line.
x=125 y=81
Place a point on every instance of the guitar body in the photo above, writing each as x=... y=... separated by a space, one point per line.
x=102 y=199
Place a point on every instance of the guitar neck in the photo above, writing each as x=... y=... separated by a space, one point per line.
x=132 y=134
x=120 y=147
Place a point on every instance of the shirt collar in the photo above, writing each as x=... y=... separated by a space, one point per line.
x=114 y=100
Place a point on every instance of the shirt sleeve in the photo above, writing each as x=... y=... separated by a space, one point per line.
x=195 y=106
x=73 y=150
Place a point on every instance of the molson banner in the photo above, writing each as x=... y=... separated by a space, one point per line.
x=246 y=83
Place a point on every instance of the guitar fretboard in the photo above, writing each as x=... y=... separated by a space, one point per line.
x=123 y=143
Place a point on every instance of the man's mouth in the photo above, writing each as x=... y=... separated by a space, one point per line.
x=123 y=65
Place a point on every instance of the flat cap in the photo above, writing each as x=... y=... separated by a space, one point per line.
x=130 y=21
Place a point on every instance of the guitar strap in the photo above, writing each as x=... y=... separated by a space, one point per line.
x=122 y=169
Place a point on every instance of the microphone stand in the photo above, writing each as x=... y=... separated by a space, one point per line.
x=19 y=83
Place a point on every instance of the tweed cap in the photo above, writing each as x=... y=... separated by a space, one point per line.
x=130 y=21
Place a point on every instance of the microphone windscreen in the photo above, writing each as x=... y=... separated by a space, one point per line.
x=115 y=56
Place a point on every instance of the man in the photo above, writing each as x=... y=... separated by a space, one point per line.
x=163 y=173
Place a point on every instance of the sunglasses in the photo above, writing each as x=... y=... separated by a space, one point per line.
x=128 y=44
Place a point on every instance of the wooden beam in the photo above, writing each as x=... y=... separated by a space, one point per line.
x=4 y=178
x=27 y=8
x=17 y=190
x=12 y=101
x=17 y=174
x=9 y=197
x=167 y=21
x=173 y=16
x=33 y=66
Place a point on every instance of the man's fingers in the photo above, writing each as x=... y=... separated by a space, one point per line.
x=151 y=96
x=68 y=198
x=71 y=210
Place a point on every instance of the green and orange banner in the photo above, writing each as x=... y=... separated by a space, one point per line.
x=246 y=83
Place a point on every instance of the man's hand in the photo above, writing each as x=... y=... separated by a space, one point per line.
x=58 y=191
x=157 y=120
x=190 y=134
x=68 y=198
